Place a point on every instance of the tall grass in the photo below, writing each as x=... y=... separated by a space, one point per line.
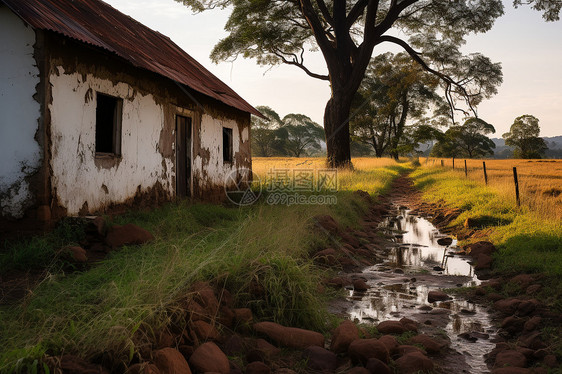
x=529 y=240
x=540 y=181
x=99 y=310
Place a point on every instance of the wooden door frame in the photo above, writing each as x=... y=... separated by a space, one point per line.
x=191 y=115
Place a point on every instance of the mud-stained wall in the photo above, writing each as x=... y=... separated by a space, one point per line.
x=210 y=171
x=20 y=154
x=81 y=180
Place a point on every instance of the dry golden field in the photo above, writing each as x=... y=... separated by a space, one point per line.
x=540 y=181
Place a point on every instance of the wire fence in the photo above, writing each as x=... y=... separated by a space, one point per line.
x=533 y=183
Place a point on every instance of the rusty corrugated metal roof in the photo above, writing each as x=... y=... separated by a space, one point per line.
x=97 y=23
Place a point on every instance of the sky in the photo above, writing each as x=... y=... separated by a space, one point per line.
x=529 y=49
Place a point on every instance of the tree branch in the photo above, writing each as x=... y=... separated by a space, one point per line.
x=448 y=80
x=356 y=12
x=295 y=62
x=325 y=12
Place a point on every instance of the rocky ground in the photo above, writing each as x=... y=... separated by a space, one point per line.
x=209 y=333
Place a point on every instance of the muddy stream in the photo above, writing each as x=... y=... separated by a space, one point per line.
x=412 y=265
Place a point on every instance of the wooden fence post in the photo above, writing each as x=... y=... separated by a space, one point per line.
x=485 y=174
x=465 y=169
x=516 y=186
x=441 y=163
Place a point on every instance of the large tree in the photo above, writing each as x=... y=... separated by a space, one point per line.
x=303 y=137
x=524 y=136
x=346 y=33
x=468 y=140
x=267 y=136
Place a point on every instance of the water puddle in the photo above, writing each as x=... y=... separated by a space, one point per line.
x=415 y=265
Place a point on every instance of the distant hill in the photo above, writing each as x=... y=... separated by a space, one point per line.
x=554 y=144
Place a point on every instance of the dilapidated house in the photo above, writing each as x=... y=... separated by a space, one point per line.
x=97 y=110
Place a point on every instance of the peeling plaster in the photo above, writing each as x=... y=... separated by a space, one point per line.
x=79 y=177
x=19 y=113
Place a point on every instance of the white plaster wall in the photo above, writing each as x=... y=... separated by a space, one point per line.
x=19 y=112
x=215 y=171
x=76 y=178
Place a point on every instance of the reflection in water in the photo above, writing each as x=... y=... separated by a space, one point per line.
x=419 y=246
x=417 y=249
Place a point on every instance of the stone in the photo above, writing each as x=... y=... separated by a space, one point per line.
x=204 y=331
x=434 y=296
x=527 y=307
x=78 y=254
x=413 y=362
x=290 y=336
x=267 y=348
x=522 y=280
x=360 y=285
x=512 y=324
x=532 y=324
x=405 y=349
x=327 y=256
x=234 y=345
x=533 y=289
x=226 y=317
x=343 y=335
x=550 y=361
x=209 y=358
x=327 y=223
x=243 y=316
x=510 y=358
x=362 y=350
x=430 y=345
x=144 y=368
x=170 y=361
x=532 y=341
x=257 y=367
x=391 y=327
x=358 y=370
x=409 y=325
x=376 y=366
x=477 y=248
x=483 y=261
x=196 y=312
x=507 y=306
x=255 y=355
x=128 y=234
x=470 y=223
x=320 y=359
x=390 y=343
x=204 y=294
x=445 y=241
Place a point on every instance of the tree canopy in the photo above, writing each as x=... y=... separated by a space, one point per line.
x=524 y=136
x=468 y=140
x=346 y=34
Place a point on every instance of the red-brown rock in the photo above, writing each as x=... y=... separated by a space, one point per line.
x=409 y=325
x=319 y=359
x=511 y=370
x=170 y=361
x=435 y=295
x=290 y=336
x=78 y=254
x=204 y=331
x=362 y=350
x=483 y=261
x=391 y=327
x=510 y=358
x=128 y=234
x=209 y=358
x=257 y=367
x=204 y=294
x=376 y=366
x=390 y=343
x=327 y=223
x=477 y=248
x=405 y=349
x=144 y=368
x=507 y=306
x=243 y=315
x=413 y=363
x=532 y=324
x=343 y=335
x=430 y=345
x=327 y=257
x=360 y=285
x=359 y=370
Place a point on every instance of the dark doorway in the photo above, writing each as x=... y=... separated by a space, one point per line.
x=183 y=156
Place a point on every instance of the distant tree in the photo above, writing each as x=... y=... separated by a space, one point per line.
x=524 y=136
x=303 y=135
x=267 y=138
x=468 y=140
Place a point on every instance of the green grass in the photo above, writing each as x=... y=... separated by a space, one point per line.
x=99 y=310
x=527 y=241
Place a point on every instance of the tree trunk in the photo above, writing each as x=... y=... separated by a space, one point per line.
x=336 y=126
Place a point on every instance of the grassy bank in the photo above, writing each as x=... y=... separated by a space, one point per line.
x=529 y=240
x=100 y=309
